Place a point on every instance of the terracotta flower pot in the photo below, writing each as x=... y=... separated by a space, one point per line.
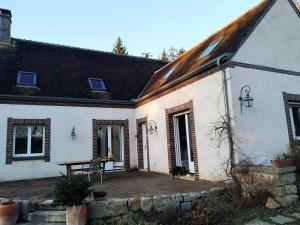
x=282 y=163
x=9 y=213
x=76 y=215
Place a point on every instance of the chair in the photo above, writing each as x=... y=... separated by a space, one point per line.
x=117 y=167
x=95 y=167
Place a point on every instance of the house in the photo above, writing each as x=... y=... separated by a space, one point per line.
x=60 y=103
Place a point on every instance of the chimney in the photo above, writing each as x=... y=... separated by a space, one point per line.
x=5 y=24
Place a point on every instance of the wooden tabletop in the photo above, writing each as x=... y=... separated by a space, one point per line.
x=82 y=162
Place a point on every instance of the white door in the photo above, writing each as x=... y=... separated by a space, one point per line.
x=110 y=141
x=184 y=155
x=190 y=153
x=145 y=147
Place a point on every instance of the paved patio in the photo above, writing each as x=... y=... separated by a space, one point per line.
x=122 y=185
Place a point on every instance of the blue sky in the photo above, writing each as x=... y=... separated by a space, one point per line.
x=144 y=26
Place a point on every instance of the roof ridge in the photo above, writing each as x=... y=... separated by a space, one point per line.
x=213 y=34
x=87 y=49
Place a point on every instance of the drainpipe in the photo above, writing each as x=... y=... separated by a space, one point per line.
x=227 y=109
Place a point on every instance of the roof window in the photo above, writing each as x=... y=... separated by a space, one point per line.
x=97 y=84
x=26 y=78
x=170 y=72
x=209 y=49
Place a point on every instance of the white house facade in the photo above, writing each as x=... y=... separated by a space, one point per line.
x=149 y=114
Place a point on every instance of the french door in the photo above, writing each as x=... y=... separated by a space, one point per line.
x=183 y=151
x=110 y=142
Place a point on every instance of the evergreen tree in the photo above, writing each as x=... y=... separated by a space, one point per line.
x=172 y=53
x=147 y=55
x=164 y=56
x=119 y=48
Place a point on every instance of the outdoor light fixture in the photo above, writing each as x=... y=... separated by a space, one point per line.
x=73 y=134
x=152 y=127
x=245 y=98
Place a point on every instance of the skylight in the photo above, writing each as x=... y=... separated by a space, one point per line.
x=97 y=84
x=26 y=78
x=170 y=72
x=209 y=49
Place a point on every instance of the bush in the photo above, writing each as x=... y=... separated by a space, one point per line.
x=294 y=154
x=201 y=215
x=131 y=221
x=71 y=190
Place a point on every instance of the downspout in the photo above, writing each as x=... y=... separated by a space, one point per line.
x=227 y=108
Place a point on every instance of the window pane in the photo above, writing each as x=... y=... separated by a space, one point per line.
x=21 y=139
x=102 y=142
x=97 y=84
x=37 y=133
x=296 y=118
x=26 y=78
x=116 y=142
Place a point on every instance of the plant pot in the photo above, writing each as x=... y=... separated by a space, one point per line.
x=76 y=215
x=99 y=195
x=9 y=213
x=282 y=163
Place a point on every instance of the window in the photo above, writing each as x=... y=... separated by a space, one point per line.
x=209 y=49
x=28 y=140
x=110 y=142
x=97 y=84
x=170 y=72
x=26 y=78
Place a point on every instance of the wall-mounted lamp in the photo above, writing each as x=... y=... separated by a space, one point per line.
x=152 y=127
x=245 y=98
x=73 y=134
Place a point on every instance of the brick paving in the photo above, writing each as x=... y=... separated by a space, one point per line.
x=121 y=185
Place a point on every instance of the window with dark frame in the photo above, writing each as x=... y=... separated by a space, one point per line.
x=97 y=84
x=28 y=140
x=295 y=117
x=26 y=78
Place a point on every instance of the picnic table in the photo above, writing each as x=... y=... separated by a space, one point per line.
x=69 y=164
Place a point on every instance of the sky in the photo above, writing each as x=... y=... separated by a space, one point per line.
x=144 y=26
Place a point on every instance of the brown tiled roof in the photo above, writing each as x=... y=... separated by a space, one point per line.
x=63 y=71
x=232 y=37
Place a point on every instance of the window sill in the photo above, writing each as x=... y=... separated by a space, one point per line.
x=28 y=158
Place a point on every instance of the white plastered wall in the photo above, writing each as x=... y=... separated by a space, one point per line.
x=208 y=103
x=274 y=43
x=63 y=148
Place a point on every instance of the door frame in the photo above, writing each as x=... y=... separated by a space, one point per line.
x=126 y=149
x=170 y=112
x=140 y=150
x=177 y=140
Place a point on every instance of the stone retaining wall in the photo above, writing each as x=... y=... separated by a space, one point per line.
x=101 y=211
x=280 y=182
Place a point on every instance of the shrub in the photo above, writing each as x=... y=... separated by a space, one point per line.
x=201 y=215
x=71 y=190
x=130 y=221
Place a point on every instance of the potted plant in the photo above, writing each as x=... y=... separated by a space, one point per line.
x=9 y=212
x=282 y=161
x=71 y=192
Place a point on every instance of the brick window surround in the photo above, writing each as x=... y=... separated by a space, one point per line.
x=170 y=134
x=11 y=122
x=287 y=99
x=140 y=152
x=125 y=125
